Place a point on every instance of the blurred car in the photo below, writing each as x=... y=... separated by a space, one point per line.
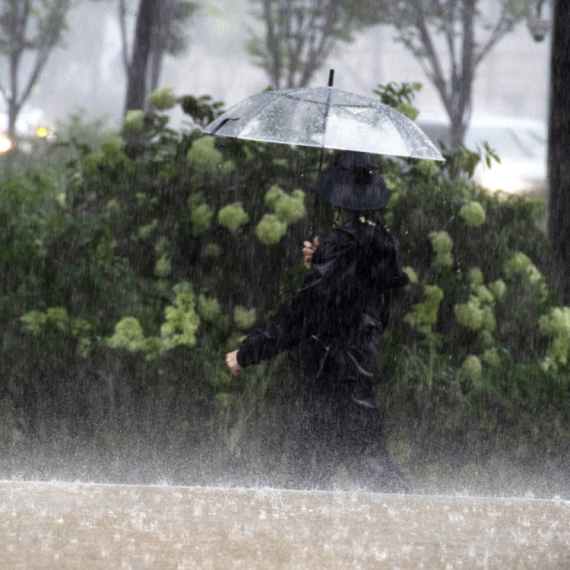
x=521 y=145
x=30 y=124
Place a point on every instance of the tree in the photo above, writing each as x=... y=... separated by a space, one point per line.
x=299 y=35
x=452 y=63
x=160 y=29
x=137 y=66
x=27 y=27
x=169 y=35
x=559 y=141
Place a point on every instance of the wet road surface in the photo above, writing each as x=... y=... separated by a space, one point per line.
x=90 y=527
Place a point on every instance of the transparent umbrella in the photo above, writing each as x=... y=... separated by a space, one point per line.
x=325 y=117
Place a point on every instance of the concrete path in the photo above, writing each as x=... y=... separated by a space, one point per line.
x=90 y=527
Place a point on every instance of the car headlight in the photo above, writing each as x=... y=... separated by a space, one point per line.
x=500 y=178
x=5 y=144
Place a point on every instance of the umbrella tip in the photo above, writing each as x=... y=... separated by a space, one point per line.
x=331 y=77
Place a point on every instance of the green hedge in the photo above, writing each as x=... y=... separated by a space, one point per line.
x=127 y=276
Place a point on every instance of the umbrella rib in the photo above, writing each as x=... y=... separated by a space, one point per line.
x=256 y=114
x=222 y=124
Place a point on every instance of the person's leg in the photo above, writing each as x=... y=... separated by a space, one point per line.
x=314 y=444
x=340 y=423
x=371 y=462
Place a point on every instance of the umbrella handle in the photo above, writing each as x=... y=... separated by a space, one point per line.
x=312 y=231
x=313 y=224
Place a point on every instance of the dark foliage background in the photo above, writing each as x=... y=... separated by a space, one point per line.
x=112 y=370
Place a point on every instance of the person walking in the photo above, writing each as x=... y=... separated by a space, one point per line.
x=330 y=327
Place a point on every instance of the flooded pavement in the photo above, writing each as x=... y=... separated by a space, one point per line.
x=72 y=526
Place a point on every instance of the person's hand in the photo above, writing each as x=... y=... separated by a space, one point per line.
x=308 y=250
x=231 y=361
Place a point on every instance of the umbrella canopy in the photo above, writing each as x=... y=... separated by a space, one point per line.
x=325 y=117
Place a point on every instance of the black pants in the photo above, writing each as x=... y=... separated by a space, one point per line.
x=340 y=424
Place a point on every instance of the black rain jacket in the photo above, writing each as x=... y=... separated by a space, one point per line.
x=333 y=318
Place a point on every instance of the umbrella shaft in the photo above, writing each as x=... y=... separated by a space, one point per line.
x=331 y=81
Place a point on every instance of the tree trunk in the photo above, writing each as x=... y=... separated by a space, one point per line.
x=160 y=33
x=16 y=49
x=458 y=127
x=559 y=143
x=136 y=84
x=272 y=43
x=462 y=78
x=13 y=112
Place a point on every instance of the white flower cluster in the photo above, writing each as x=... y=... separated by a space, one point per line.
x=36 y=321
x=397 y=185
x=442 y=245
x=162 y=99
x=477 y=315
x=244 y=319
x=134 y=121
x=424 y=315
x=519 y=263
x=233 y=216
x=205 y=159
x=288 y=209
x=556 y=325
x=472 y=368
x=163 y=266
x=473 y=213
x=411 y=273
x=208 y=309
x=179 y=328
x=201 y=218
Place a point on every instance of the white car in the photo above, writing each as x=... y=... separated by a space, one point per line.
x=521 y=145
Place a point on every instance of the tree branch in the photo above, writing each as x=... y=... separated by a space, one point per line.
x=23 y=20
x=464 y=80
x=124 y=40
x=310 y=33
x=503 y=27
x=330 y=15
x=159 y=41
x=137 y=84
x=17 y=47
x=425 y=36
x=41 y=60
x=285 y=24
x=447 y=14
x=49 y=35
x=272 y=44
x=299 y=38
x=407 y=39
